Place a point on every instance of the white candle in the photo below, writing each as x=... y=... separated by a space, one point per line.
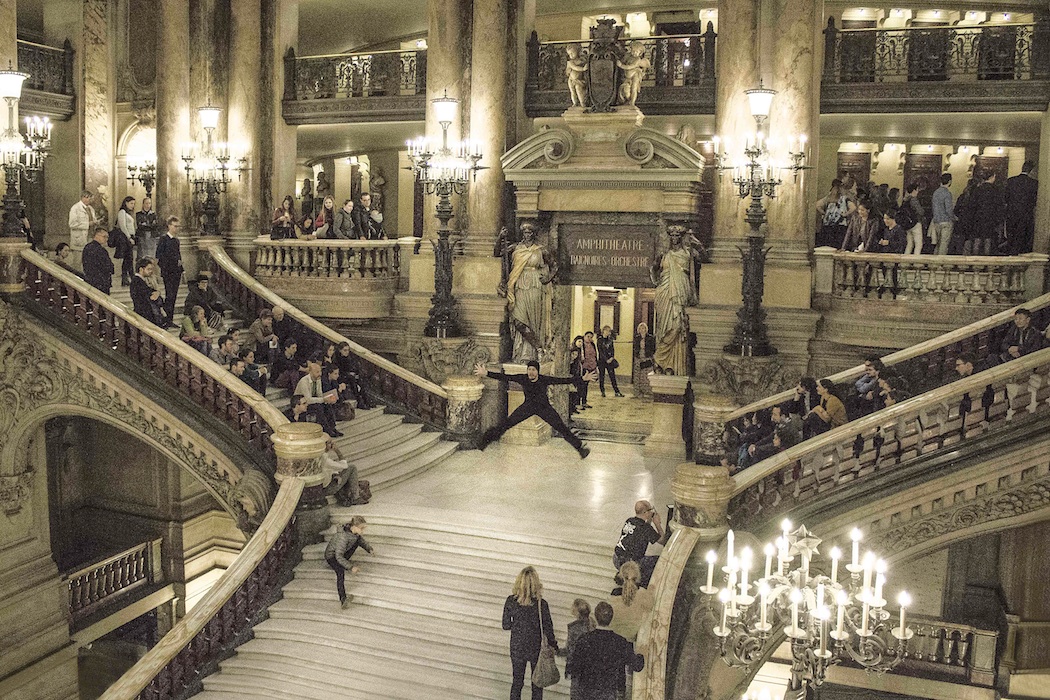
x=855 y=535
x=796 y=596
x=905 y=600
x=864 y=619
x=820 y=595
x=869 y=566
x=725 y=596
x=769 y=559
x=729 y=547
x=822 y=614
x=841 y=599
x=711 y=559
x=745 y=569
x=764 y=592
x=880 y=578
x=785 y=525
x=836 y=554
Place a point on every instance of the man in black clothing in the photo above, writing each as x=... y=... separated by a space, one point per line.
x=145 y=299
x=989 y=213
x=1021 y=193
x=1020 y=339
x=359 y=216
x=636 y=535
x=98 y=266
x=169 y=258
x=600 y=658
x=534 y=386
x=199 y=294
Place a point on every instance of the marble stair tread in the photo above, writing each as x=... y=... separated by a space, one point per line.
x=363 y=446
x=435 y=520
x=391 y=455
x=482 y=553
x=396 y=473
x=366 y=424
x=370 y=684
x=391 y=621
x=483 y=663
x=464 y=583
x=354 y=669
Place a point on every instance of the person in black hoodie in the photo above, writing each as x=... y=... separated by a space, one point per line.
x=522 y=614
x=607 y=360
x=534 y=385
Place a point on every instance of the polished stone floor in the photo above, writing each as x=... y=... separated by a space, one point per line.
x=519 y=484
x=612 y=418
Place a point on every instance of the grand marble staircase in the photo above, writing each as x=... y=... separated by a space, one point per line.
x=385 y=449
x=425 y=621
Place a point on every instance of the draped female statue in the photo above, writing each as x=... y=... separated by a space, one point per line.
x=674 y=292
x=528 y=269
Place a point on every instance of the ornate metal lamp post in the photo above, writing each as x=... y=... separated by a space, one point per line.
x=207 y=168
x=444 y=171
x=145 y=172
x=827 y=620
x=756 y=177
x=20 y=155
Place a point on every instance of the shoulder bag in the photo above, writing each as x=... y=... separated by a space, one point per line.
x=545 y=673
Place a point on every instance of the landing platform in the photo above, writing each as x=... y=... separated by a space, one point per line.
x=626 y=419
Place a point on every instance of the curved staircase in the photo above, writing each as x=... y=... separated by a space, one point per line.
x=385 y=448
x=426 y=616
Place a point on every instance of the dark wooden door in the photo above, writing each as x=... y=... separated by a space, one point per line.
x=857 y=52
x=1000 y=165
x=928 y=47
x=856 y=164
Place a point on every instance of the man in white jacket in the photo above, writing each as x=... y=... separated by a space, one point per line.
x=81 y=220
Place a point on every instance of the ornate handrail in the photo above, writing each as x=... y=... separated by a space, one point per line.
x=953 y=648
x=956 y=412
x=328 y=258
x=929 y=363
x=224 y=612
x=953 y=279
x=409 y=392
x=50 y=69
x=112 y=578
x=366 y=74
x=1011 y=51
x=175 y=363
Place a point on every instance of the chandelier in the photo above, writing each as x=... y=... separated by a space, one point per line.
x=21 y=155
x=827 y=620
x=145 y=173
x=207 y=167
x=444 y=170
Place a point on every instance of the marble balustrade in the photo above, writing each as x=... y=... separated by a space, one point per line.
x=342 y=259
x=113 y=577
x=829 y=464
x=341 y=76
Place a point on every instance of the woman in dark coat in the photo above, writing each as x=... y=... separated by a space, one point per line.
x=521 y=615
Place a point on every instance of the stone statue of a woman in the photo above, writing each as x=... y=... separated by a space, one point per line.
x=674 y=292
x=530 y=270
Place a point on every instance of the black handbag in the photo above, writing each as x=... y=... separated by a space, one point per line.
x=613 y=363
x=118 y=240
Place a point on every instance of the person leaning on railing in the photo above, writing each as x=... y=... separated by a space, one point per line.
x=195 y=331
x=255 y=375
x=828 y=414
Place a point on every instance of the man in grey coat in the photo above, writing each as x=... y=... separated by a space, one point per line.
x=339 y=551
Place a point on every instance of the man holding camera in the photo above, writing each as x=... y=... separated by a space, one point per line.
x=636 y=536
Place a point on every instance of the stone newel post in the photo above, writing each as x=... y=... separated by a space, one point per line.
x=463 y=420
x=299 y=448
x=11 y=265
x=666 y=439
x=710 y=412
x=701 y=499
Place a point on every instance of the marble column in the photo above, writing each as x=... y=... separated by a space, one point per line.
x=96 y=104
x=8 y=39
x=173 y=111
x=278 y=151
x=488 y=123
x=244 y=97
x=1042 y=206
x=448 y=72
x=666 y=438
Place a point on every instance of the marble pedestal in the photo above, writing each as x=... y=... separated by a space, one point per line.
x=666 y=439
x=532 y=432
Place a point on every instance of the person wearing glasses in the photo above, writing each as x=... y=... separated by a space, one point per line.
x=636 y=535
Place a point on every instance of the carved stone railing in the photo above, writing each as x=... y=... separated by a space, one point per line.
x=175 y=666
x=49 y=89
x=923 y=366
x=319 y=276
x=373 y=86
x=940 y=279
x=953 y=650
x=394 y=385
x=164 y=356
x=680 y=79
x=829 y=464
x=113 y=578
x=1008 y=60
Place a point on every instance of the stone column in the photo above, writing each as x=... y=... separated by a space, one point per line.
x=488 y=123
x=8 y=39
x=463 y=419
x=244 y=98
x=95 y=103
x=173 y=111
x=1042 y=206
x=668 y=400
x=277 y=152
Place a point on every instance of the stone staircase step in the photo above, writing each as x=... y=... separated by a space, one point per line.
x=398 y=472
x=390 y=456
x=360 y=446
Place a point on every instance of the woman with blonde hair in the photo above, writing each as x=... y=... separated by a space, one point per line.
x=631 y=606
x=521 y=615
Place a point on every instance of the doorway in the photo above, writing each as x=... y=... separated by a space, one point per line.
x=612 y=418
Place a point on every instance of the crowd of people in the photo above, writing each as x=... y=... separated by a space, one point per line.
x=821 y=405
x=988 y=218
x=360 y=220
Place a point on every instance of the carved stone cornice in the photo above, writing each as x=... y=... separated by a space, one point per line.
x=950 y=96
x=397 y=108
x=46 y=104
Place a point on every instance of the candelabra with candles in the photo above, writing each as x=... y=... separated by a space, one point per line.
x=21 y=155
x=145 y=173
x=828 y=620
x=444 y=170
x=207 y=168
x=757 y=177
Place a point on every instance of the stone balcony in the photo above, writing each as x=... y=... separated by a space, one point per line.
x=337 y=279
x=49 y=88
x=875 y=300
